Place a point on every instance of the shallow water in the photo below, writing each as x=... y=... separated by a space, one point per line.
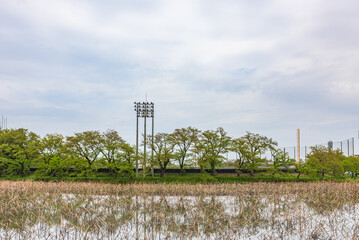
x=257 y=216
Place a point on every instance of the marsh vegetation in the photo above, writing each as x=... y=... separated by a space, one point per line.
x=63 y=210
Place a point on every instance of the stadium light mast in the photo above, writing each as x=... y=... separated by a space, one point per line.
x=144 y=110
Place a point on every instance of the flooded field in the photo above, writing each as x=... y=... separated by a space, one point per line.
x=38 y=210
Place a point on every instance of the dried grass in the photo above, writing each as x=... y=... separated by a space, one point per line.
x=68 y=210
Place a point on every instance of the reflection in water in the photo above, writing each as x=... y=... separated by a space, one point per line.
x=71 y=216
x=260 y=215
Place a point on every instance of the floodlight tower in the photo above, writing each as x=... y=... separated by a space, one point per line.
x=144 y=110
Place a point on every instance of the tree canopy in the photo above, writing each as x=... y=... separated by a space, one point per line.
x=85 y=152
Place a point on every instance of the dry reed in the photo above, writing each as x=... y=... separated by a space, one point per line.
x=67 y=210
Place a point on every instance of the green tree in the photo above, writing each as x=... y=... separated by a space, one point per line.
x=117 y=153
x=127 y=153
x=50 y=145
x=323 y=160
x=351 y=165
x=110 y=144
x=210 y=147
x=51 y=161
x=163 y=149
x=86 y=145
x=256 y=145
x=201 y=154
x=282 y=160
x=302 y=168
x=127 y=156
x=242 y=150
x=17 y=150
x=184 y=139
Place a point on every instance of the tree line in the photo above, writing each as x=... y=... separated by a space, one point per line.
x=85 y=152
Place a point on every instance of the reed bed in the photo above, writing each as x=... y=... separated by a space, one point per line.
x=67 y=210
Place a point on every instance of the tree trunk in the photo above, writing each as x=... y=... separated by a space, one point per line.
x=162 y=173
x=181 y=169
x=22 y=170
x=213 y=169
x=201 y=168
x=89 y=162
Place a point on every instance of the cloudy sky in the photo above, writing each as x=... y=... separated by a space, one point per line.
x=267 y=67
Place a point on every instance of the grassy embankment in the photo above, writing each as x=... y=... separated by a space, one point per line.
x=187 y=178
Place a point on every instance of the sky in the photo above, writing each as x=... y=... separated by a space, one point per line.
x=263 y=66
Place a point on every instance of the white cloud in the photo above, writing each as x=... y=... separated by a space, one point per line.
x=245 y=65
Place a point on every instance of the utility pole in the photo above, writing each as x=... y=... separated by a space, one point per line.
x=153 y=127
x=144 y=143
x=137 y=106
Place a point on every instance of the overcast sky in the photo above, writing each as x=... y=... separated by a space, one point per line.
x=262 y=66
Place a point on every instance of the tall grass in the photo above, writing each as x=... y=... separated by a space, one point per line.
x=66 y=210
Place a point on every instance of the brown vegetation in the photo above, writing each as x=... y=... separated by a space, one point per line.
x=178 y=211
